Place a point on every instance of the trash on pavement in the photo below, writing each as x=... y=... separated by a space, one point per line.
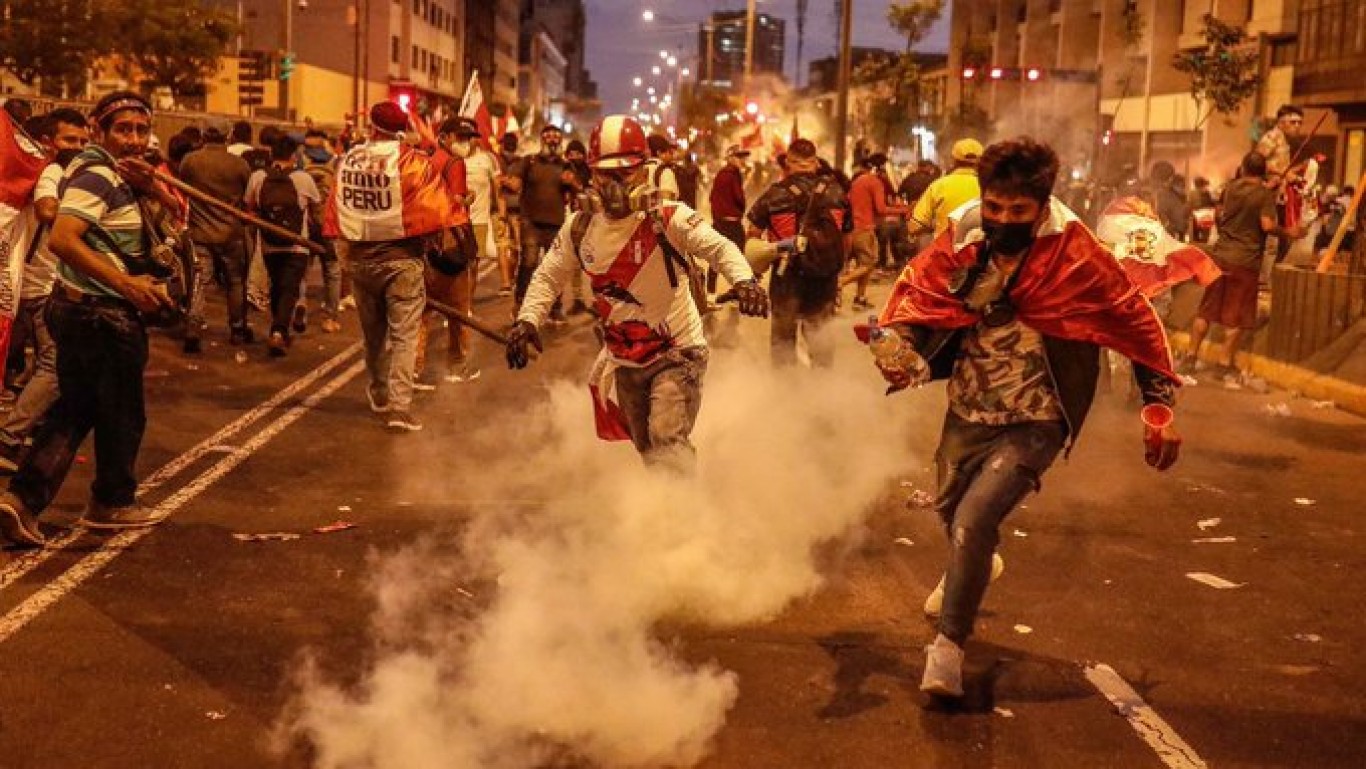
x=464 y=592
x=279 y=536
x=1021 y=534
x=903 y=541
x=1305 y=502
x=1322 y=404
x=343 y=508
x=1276 y=409
x=908 y=484
x=1209 y=523
x=920 y=498
x=1003 y=712
x=334 y=526
x=1312 y=638
x=216 y=715
x=1257 y=384
x=1024 y=629
x=1220 y=583
x=240 y=357
x=1214 y=540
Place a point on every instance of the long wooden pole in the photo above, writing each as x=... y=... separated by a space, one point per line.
x=465 y=319
x=1326 y=262
x=231 y=210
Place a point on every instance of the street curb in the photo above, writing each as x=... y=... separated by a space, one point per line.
x=1310 y=384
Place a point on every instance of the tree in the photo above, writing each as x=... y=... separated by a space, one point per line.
x=698 y=107
x=896 y=79
x=53 y=44
x=173 y=43
x=1224 y=73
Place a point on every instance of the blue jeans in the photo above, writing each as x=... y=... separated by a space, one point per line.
x=101 y=354
x=660 y=402
x=41 y=391
x=984 y=472
x=390 y=296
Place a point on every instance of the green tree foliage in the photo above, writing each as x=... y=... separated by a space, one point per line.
x=1224 y=73
x=55 y=41
x=896 y=79
x=173 y=43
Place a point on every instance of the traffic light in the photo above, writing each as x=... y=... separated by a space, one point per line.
x=286 y=65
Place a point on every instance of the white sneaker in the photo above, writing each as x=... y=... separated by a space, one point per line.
x=935 y=603
x=463 y=374
x=424 y=387
x=943 y=668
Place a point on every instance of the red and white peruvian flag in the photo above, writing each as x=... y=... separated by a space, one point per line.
x=474 y=107
x=1153 y=259
x=21 y=163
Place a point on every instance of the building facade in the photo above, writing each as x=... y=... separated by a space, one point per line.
x=543 y=78
x=721 y=48
x=507 y=39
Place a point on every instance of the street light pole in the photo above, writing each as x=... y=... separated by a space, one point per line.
x=842 y=95
x=749 y=43
x=289 y=46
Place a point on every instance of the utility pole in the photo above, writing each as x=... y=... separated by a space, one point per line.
x=842 y=94
x=749 y=45
x=288 y=54
x=355 y=59
x=801 y=38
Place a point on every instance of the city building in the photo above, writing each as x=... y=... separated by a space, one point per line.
x=543 y=78
x=507 y=39
x=721 y=47
x=1097 y=78
x=1327 y=60
x=404 y=49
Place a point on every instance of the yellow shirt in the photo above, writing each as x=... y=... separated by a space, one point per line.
x=944 y=196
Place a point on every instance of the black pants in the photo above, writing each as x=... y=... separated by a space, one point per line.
x=808 y=303
x=732 y=230
x=101 y=354
x=536 y=240
x=286 y=270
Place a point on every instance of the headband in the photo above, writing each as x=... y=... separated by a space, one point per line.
x=122 y=104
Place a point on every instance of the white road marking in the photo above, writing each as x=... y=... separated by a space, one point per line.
x=1159 y=735
x=15 y=569
x=69 y=580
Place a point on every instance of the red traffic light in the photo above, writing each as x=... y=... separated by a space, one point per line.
x=969 y=73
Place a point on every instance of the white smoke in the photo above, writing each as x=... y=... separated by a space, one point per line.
x=542 y=635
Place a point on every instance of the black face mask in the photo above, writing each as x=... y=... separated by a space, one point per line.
x=1008 y=239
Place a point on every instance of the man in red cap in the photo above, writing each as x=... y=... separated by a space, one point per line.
x=636 y=251
x=391 y=200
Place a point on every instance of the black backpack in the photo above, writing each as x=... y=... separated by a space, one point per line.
x=278 y=202
x=820 y=243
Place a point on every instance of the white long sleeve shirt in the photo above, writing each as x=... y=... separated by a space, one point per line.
x=642 y=314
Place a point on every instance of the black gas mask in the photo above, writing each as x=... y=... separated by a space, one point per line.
x=1010 y=238
x=620 y=192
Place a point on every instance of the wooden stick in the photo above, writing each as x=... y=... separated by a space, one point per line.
x=1326 y=261
x=238 y=213
x=466 y=320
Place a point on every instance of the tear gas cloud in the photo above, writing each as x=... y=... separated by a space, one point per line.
x=543 y=633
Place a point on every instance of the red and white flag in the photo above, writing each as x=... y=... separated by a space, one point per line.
x=21 y=163
x=474 y=107
x=1153 y=259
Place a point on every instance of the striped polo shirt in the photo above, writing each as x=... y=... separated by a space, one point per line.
x=94 y=192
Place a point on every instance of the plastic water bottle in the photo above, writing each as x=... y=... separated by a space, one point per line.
x=894 y=352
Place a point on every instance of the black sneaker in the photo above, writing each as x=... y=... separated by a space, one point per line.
x=402 y=422
x=134 y=516
x=192 y=346
x=17 y=524
x=277 y=344
x=10 y=453
x=300 y=320
x=377 y=405
x=241 y=335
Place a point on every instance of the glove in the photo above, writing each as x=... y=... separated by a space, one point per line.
x=1161 y=443
x=520 y=336
x=752 y=298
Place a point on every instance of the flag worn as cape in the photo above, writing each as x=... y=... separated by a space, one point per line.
x=386 y=190
x=21 y=163
x=1151 y=257
x=1069 y=286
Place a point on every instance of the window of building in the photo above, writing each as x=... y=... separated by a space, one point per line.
x=414 y=57
x=1282 y=53
x=417 y=7
x=394 y=48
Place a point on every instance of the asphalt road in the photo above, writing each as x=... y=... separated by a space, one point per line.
x=183 y=646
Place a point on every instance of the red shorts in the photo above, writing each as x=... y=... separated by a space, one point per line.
x=1231 y=301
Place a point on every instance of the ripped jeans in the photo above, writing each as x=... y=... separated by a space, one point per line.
x=660 y=402
x=984 y=472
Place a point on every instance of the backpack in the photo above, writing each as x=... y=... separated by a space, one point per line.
x=687 y=177
x=278 y=202
x=324 y=177
x=820 y=239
